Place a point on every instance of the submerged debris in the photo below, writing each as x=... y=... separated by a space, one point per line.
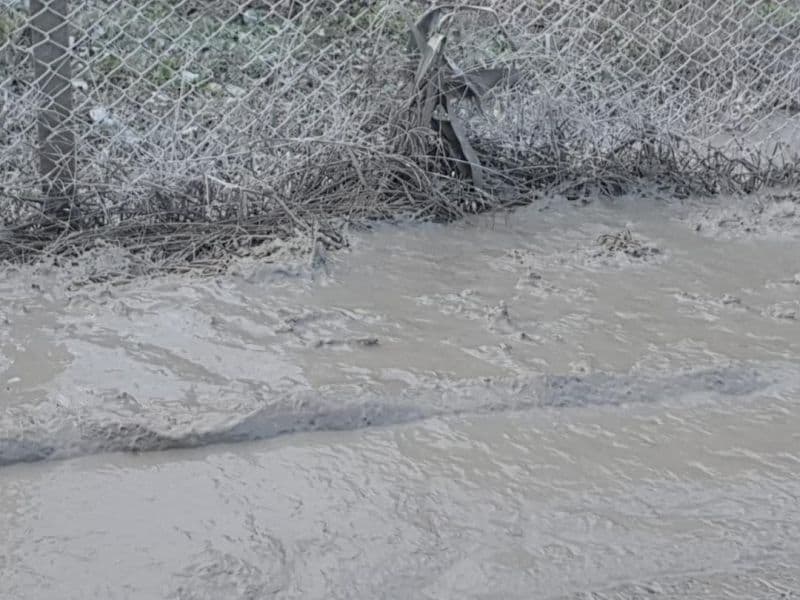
x=624 y=243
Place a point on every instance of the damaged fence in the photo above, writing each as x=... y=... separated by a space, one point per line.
x=193 y=130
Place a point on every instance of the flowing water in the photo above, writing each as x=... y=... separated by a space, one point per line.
x=569 y=401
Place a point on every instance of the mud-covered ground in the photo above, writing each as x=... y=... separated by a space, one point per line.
x=569 y=401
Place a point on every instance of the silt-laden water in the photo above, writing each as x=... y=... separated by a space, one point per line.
x=595 y=401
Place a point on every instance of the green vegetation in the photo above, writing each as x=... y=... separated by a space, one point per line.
x=779 y=14
x=11 y=23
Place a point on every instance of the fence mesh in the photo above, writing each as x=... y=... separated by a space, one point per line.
x=198 y=126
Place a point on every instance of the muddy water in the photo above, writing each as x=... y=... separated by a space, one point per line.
x=570 y=401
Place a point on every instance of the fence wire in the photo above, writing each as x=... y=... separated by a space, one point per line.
x=271 y=116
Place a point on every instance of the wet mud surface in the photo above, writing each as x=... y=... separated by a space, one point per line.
x=593 y=401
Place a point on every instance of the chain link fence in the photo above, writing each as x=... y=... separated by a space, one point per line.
x=199 y=127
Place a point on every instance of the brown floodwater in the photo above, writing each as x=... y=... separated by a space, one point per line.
x=567 y=401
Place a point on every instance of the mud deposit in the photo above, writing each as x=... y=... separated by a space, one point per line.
x=595 y=401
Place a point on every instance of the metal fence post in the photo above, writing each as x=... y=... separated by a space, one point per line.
x=49 y=28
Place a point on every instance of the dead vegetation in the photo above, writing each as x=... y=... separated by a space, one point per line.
x=337 y=119
x=623 y=242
